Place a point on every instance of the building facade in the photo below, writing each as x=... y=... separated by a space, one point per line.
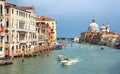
x=20 y=32
x=2 y=20
x=51 y=27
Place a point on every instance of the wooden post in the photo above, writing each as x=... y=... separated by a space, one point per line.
x=43 y=50
x=48 y=44
x=23 y=54
x=12 y=54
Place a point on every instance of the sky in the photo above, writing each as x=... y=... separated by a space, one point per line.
x=74 y=16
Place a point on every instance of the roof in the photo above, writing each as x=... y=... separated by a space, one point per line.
x=23 y=8
x=26 y=7
x=9 y=4
x=44 y=18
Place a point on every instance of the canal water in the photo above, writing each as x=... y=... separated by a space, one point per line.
x=90 y=60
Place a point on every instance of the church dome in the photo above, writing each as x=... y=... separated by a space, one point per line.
x=103 y=27
x=93 y=27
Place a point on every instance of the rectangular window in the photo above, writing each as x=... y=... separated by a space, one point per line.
x=12 y=23
x=7 y=10
x=12 y=11
x=0 y=23
x=17 y=12
x=0 y=48
x=0 y=40
x=1 y=9
x=26 y=15
x=16 y=46
x=7 y=38
x=7 y=24
x=38 y=30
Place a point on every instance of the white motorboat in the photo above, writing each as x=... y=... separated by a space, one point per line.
x=68 y=61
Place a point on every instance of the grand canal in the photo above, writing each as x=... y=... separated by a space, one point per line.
x=91 y=60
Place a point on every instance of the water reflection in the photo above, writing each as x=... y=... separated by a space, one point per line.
x=90 y=61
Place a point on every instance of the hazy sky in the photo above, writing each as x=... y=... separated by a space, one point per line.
x=74 y=16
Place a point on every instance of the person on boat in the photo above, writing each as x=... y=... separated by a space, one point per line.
x=66 y=59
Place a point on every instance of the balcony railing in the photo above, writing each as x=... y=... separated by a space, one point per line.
x=33 y=39
x=22 y=30
x=23 y=41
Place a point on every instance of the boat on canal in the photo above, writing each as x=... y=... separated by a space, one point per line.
x=60 y=57
x=102 y=48
x=5 y=60
x=67 y=61
x=117 y=46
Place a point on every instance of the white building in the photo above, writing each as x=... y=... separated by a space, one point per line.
x=20 y=32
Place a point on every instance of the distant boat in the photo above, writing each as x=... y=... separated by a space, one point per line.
x=117 y=46
x=5 y=61
x=102 y=48
x=58 y=47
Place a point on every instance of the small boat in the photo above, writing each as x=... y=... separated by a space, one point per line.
x=60 y=57
x=5 y=61
x=67 y=61
x=102 y=48
x=58 y=47
x=117 y=46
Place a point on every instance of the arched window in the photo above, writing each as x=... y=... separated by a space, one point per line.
x=7 y=38
x=1 y=7
x=7 y=23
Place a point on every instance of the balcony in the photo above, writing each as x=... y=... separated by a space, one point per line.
x=33 y=39
x=32 y=31
x=23 y=41
x=22 y=30
x=41 y=41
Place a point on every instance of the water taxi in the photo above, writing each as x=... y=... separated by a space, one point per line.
x=68 y=61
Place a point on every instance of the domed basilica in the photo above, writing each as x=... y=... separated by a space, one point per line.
x=93 y=27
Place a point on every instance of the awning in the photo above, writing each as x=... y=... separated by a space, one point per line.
x=22 y=32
